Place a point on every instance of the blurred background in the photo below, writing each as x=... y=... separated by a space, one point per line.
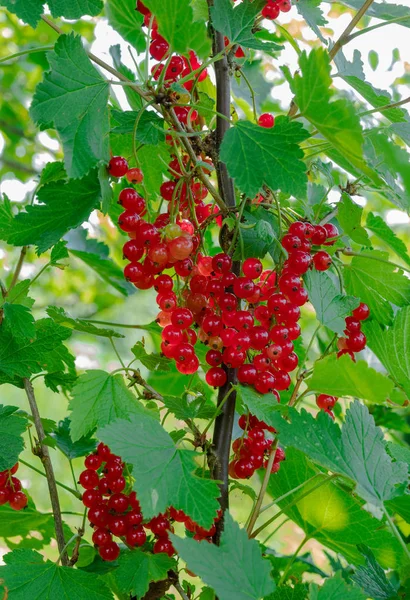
x=97 y=291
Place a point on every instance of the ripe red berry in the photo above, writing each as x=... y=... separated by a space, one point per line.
x=299 y=262
x=18 y=500
x=159 y=48
x=221 y=263
x=118 y=166
x=325 y=402
x=110 y=551
x=319 y=235
x=134 y=518
x=252 y=268
x=131 y=200
x=118 y=503
x=331 y=232
x=132 y=251
x=98 y=515
x=91 y=498
x=243 y=287
x=244 y=468
x=266 y=119
x=291 y=242
x=101 y=537
x=352 y=325
x=322 y=261
x=356 y=341
x=271 y=11
x=117 y=525
x=182 y=318
x=129 y=221
x=362 y=312
x=136 y=536
x=216 y=377
x=247 y=374
x=213 y=358
x=163 y=545
x=265 y=383
x=88 y=479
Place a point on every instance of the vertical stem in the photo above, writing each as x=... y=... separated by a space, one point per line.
x=257 y=508
x=292 y=560
x=44 y=455
x=224 y=422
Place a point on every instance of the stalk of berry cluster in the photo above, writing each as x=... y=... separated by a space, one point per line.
x=224 y=423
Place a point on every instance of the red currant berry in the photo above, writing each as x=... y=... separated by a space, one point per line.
x=331 y=233
x=259 y=337
x=109 y=552
x=188 y=367
x=118 y=503
x=291 y=242
x=325 y=402
x=213 y=358
x=322 y=261
x=163 y=545
x=98 y=515
x=91 y=498
x=265 y=383
x=18 y=500
x=132 y=251
x=356 y=341
x=101 y=537
x=362 y=312
x=266 y=119
x=129 y=221
x=88 y=479
x=319 y=235
x=282 y=380
x=252 y=268
x=118 y=484
x=221 y=263
x=270 y=11
x=216 y=377
x=247 y=374
x=182 y=318
x=117 y=525
x=134 y=518
x=136 y=536
x=159 y=48
x=131 y=200
x=243 y=287
x=118 y=166
x=244 y=468
x=352 y=325
x=299 y=262
x=163 y=283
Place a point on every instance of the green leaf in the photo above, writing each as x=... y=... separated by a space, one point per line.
x=382 y=10
x=256 y=156
x=263 y=406
x=372 y=578
x=299 y=592
x=99 y=398
x=331 y=307
x=12 y=427
x=58 y=252
x=24 y=522
x=123 y=17
x=59 y=379
x=344 y=377
x=30 y=11
x=153 y=362
x=356 y=451
x=20 y=291
x=150 y=127
x=234 y=569
x=376 y=98
x=165 y=474
x=377 y=284
x=337 y=121
x=153 y=160
x=391 y=346
x=349 y=215
x=133 y=97
x=76 y=106
x=107 y=193
x=59 y=315
x=330 y=514
x=137 y=569
x=189 y=407
x=399 y=453
x=335 y=588
x=176 y=24
x=83 y=446
x=379 y=227
x=53 y=171
x=96 y=256
x=26 y=575
x=312 y=15
x=63 y=206
x=23 y=358
x=6 y=216
x=237 y=23
x=18 y=321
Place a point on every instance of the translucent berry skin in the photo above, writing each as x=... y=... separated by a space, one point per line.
x=299 y=262
x=356 y=341
x=322 y=261
x=88 y=479
x=362 y=312
x=101 y=537
x=221 y=263
x=216 y=377
x=332 y=232
x=325 y=402
x=265 y=383
x=18 y=500
x=247 y=374
x=109 y=552
x=91 y=498
x=131 y=200
x=118 y=166
x=252 y=268
x=163 y=545
x=266 y=119
x=270 y=11
x=319 y=235
x=136 y=536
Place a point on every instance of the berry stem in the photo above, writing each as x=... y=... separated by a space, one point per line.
x=396 y=533
x=292 y=560
x=44 y=455
x=349 y=252
x=257 y=508
x=62 y=485
x=344 y=37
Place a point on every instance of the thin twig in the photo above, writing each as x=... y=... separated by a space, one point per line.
x=344 y=38
x=180 y=590
x=75 y=493
x=349 y=252
x=257 y=508
x=385 y=107
x=18 y=268
x=292 y=560
x=44 y=455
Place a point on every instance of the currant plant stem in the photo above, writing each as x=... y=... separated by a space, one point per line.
x=344 y=38
x=18 y=268
x=396 y=533
x=75 y=493
x=224 y=422
x=257 y=508
x=349 y=252
x=292 y=560
x=289 y=493
x=44 y=455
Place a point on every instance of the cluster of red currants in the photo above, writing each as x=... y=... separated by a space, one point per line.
x=251 y=451
x=176 y=66
x=10 y=489
x=273 y=8
x=114 y=512
x=355 y=340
